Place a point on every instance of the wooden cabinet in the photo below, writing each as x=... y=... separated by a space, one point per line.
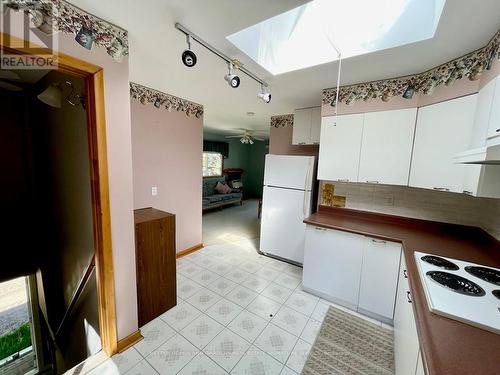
x=340 y=148
x=155 y=263
x=355 y=271
x=306 y=126
x=406 y=345
x=493 y=133
x=386 y=146
x=332 y=265
x=443 y=130
x=379 y=278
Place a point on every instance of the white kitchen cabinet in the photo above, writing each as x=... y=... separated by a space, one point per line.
x=306 y=126
x=340 y=147
x=386 y=146
x=482 y=115
x=406 y=345
x=442 y=130
x=379 y=279
x=494 y=122
x=315 y=125
x=332 y=265
x=482 y=180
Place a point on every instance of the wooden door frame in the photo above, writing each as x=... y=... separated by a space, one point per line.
x=93 y=76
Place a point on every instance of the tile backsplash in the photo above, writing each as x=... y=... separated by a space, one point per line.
x=422 y=204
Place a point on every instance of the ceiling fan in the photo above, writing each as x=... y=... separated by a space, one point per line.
x=7 y=79
x=247 y=136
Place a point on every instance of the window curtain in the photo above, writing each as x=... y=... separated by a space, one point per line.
x=216 y=146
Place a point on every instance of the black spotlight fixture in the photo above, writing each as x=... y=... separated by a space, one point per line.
x=189 y=57
x=409 y=92
x=232 y=79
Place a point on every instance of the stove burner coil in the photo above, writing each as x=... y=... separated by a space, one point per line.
x=456 y=283
x=440 y=262
x=484 y=273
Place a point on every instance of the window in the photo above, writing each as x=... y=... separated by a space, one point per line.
x=212 y=164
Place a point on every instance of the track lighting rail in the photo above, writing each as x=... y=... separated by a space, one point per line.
x=215 y=51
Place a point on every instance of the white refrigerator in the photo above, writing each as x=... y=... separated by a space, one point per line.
x=287 y=201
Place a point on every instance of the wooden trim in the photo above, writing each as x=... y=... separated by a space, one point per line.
x=128 y=341
x=189 y=250
x=96 y=123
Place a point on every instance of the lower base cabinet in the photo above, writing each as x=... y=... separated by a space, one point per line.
x=352 y=270
x=406 y=346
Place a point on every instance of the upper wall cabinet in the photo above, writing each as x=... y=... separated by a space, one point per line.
x=482 y=115
x=494 y=123
x=306 y=126
x=386 y=147
x=340 y=148
x=443 y=129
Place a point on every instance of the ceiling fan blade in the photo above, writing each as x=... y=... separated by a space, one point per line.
x=10 y=86
x=7 y=74
x=258 y=139
x=234 y=136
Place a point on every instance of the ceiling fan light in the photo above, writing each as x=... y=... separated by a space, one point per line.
x=52 y=96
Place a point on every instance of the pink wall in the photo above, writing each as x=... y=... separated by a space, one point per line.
x=280 y=143
x=167 y=151
x=117 y=99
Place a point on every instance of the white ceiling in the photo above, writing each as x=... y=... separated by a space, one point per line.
x=156 y=46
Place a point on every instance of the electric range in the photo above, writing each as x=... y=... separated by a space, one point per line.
x=461 y=290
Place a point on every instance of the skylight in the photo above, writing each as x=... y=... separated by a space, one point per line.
x=307 y=36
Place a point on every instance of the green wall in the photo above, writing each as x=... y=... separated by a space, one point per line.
x=248 y=157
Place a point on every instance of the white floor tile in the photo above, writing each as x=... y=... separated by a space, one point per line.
x=290 y=320
x=302 y=302
x=224 y=311
x=237 y=275
x=256 y=362
x=202 y=365
x=119 y=363
x=276 y=342
x=241 y=296
x=203 y=299
x=320 y=311
x=290 y=282
x=299 y=355
x=202 y=330
x=186 y=288
x=267 y=273
x=293 y=271
x=172 y=356
x=311 y=331
x=222 y=286
x=227 y=349
x=250 y=266
x=264 y=307
x=287 y=371
x=234 y=260
x=277 y=292
x=256 y=283
x=221 y=268
x=142 y=368
x=155 y=333
x=189 y=269
x=205 y=261
x=180 y=316
x=205 y=277
x=248 y=325
x=276 y=264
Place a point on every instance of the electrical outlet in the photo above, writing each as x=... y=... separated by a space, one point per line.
x=154 y=191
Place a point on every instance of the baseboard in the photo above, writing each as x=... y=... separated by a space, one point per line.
x=128 y=341
x=189 y=250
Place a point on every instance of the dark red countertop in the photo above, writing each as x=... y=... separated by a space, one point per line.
x=448 y=346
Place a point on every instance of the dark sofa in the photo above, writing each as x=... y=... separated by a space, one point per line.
x=212 y=199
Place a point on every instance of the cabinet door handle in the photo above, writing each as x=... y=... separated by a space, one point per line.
x=497 y=131
x=467 y=192
x=302 y=143
x=405 y=274
x=408 y=297
x=319 y=228
x=343 y=180
x=441 y=189
x=378 y=241
x=315 y=143
x=372 y=182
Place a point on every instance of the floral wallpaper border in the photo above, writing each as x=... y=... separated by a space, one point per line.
x=52 y=16
x=471 y=66
x=159 y=99
x=282 y=121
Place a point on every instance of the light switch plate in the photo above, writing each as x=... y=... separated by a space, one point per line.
x=154 y=191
